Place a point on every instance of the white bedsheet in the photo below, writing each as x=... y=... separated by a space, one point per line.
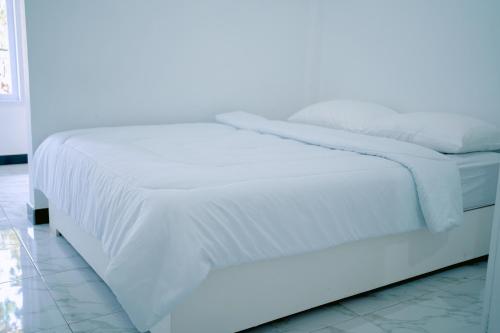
x=171 y=203
x=479 y=174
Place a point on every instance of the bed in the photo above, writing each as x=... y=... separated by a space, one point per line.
x=222 y=227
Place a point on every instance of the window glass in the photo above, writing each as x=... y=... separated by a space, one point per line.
x=8 y=60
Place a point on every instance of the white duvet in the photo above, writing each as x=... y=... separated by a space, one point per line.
x=170 y=203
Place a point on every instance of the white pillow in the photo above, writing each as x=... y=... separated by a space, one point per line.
x=444 y=132
x=342 y=114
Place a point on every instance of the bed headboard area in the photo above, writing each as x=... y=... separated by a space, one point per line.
x=437 y=56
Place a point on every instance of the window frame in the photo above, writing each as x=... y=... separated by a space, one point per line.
x=14 y=96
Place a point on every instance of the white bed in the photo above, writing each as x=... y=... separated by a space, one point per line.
x=221 y=227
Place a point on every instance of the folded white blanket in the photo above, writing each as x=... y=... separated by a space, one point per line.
x=171 y=203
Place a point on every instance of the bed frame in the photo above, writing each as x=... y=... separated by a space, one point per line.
x=244 y=296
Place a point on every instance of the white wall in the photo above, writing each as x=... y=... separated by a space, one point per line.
x=95 y=63
x=414 y=55
x=13 y=129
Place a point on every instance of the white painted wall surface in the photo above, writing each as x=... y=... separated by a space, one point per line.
x=13 y=129
x=100 y=63
x=413 y=55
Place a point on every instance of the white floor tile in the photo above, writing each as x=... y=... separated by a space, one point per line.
x=15 y=264
x=3 y=216
x=36 y=239
x=81 y=295
x=386 y=297
x=14 y=189
x=23 y=223
x=113 y=323
x=417 y=316
x=314 y=319
x=15 y=210
x=13 y=169
x=27 y=307
x=57 y=265
x=356 y=325
x=59 y=329
x=307 y=321
x=8 y=237
x=44 y=246
x=473 y=289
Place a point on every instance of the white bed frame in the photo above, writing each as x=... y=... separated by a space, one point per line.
x=245 y=296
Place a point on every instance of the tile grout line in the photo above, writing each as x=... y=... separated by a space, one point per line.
x=336 y=323
x=439 y=289
x=375 y=324
x=100 y=316
x=390 y=306
x=50 y=292
x=368 y=318
x=4 y=214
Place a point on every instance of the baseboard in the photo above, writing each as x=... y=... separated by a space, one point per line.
x=38 y=216
x=14 y=159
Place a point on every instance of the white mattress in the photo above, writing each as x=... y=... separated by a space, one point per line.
x=479 y=174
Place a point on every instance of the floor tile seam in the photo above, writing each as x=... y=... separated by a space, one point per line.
x=100 y=316
x=394 y=304
x=62 y=271
x=342 y=321
x=55 y=302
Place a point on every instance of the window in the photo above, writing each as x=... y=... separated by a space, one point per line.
x=9 y=90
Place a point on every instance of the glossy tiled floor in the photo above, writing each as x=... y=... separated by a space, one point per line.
x=45 y=286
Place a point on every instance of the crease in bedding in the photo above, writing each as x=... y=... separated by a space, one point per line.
x=171 y=203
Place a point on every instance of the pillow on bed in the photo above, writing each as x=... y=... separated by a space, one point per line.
x=342 y=114
x=444 y=132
